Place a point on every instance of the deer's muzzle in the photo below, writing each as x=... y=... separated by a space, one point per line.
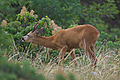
x=23 y=39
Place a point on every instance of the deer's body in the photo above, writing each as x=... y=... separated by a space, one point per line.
x=83 y=36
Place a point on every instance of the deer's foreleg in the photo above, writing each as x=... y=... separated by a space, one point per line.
x=61 y=54
x=73 y=55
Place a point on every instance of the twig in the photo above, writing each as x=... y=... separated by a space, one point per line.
x=13 y=56
x=68 y=54
x=50 y=68
x=73 y=60
x=28 y=50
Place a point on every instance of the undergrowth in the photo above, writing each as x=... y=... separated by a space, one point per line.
x=108 y=64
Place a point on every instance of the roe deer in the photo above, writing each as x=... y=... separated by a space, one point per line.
x=82 y=36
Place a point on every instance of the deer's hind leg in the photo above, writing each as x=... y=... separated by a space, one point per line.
x=92 y=50
x=89 y=51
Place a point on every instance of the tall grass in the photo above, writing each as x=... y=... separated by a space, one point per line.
x=108 y=65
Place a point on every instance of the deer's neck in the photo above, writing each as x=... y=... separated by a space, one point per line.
x=44 y=41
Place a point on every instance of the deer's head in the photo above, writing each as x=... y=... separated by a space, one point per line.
x=32 y=34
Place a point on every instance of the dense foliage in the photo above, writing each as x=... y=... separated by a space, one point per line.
x=5 y=40
x=12 y=71
x=67 y=12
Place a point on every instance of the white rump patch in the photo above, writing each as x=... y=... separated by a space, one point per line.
x=98 y=35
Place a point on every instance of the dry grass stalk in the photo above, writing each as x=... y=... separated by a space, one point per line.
x=68 y=55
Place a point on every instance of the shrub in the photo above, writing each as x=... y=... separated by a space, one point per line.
x=5 y=39
x=10 y=71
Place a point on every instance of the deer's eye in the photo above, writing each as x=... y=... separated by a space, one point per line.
x=28 y=35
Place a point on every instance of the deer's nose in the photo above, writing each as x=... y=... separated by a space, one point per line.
x=23 y=39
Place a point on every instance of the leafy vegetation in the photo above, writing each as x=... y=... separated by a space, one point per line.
x=23 y=61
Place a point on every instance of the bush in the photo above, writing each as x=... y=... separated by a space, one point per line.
x=23 y=24
x=10 y=71
x=64 y=13
x=5 y=40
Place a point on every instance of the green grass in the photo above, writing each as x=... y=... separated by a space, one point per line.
x=108 y=65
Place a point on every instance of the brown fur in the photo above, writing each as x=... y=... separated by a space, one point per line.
x=82 y=36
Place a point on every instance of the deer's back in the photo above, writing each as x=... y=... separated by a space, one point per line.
x=72 y=36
